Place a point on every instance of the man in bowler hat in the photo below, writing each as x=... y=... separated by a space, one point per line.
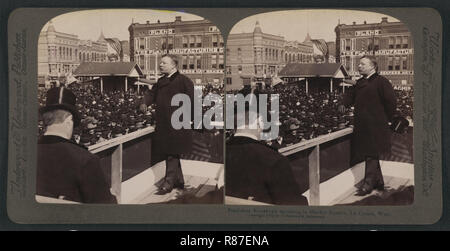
x=170 y=142
x=66 y=170
x=254 y=170
x=374 y=100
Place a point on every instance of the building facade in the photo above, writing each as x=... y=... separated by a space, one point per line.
x=259 y=56
x=390 y=42
x=198 y=45
x=59 y=54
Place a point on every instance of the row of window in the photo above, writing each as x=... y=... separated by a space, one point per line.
x=191 y=62
x=258 y=69
x=66 y=53
x=298 y=58
x=393 y=63
x=92 y=56
x=60 y=68
x=274 y=54
x=193 y=41
x=271 y=54
x=397 y=42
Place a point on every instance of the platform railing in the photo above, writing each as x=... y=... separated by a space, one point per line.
x=117 y=156
x=314 y=159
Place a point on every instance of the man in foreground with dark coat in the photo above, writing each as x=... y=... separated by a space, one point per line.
x=170 y=141
x=255 y=171
x=66 y=170
x=374 y=100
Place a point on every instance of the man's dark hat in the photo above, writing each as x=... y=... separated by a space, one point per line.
x=64 y=99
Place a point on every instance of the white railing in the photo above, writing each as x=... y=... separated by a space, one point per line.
x=314 y=159
x=313 y=162
x=117 y=156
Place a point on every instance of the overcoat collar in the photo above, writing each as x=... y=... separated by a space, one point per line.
x=373 y=76
x=240 y=140
x=166 y=80
x=363 y=81
x=52 y=139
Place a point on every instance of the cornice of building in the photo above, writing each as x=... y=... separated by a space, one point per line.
x=66 y=35
x=171 y=24
x=266 y=35
x=369 y=26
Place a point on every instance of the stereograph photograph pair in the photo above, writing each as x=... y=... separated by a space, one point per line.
x=295 y=116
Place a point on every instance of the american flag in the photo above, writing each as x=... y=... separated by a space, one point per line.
x=115 y=44
x=321 y=45
x=200 y=148
x=401 y=149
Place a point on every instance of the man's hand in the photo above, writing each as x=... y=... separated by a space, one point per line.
x=143 y=108
x=341 y=108
x=349 y=81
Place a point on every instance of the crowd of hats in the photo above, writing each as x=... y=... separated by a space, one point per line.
x=209 y=89
x=109 y=114
x=105 y=115
x=302 y=116
x=213 y=89
x=405 y=99
x=307 y=116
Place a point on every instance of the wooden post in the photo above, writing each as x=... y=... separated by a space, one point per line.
x=306 y=85
x=331 y=84
x=101 y=84
x=156 y=64
x=126 y=83
x=116 y=172
x=314 y=176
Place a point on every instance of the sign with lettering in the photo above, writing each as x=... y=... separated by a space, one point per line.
x=402 y=88
x=200 y=71
x=196 y=50
x=158 y=32
x=367 y=33
x=182 y=51
x=394 y=52
x=396 y=72
x=379 y=52
x=354 y=53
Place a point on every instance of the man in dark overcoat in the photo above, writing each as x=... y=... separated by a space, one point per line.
x=255 y=171
x=170 y=141
x=374 y=101
x=66 y=170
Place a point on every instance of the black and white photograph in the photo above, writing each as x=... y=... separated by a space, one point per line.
x=343 y=85
x=106 y=83
x=229 y=117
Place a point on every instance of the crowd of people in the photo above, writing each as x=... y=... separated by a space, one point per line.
x=306 y=116
x=213 y=89
x=105 y=115
x=405 y=99
x=302 y=116
x=110 y=114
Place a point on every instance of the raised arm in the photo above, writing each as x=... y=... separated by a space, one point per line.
x=148 y=99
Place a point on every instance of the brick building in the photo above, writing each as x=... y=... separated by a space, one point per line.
x=258 y=56
x=390 y=42
x=198 y=44
x=59 y=54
